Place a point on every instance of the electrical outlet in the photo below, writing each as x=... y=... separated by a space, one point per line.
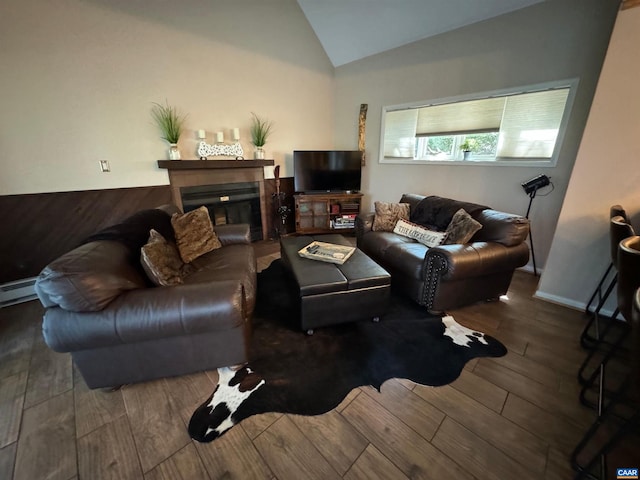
x=104 y=166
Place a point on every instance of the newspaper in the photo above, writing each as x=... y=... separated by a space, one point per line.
x=327 y=252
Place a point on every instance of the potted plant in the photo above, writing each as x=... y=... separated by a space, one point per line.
x=171 y=125
x=467 y=146
x=260 y=131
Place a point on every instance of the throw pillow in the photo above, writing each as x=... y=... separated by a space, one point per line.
x=427 y=237
x=461 y=228
x=161 y=261
x=194 y=234
x=388 y=214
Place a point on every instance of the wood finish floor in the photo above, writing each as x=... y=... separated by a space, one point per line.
x=506 y=418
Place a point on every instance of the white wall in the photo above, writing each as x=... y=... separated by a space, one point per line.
x=79 y=78
x=606 y=172
x=544 y=42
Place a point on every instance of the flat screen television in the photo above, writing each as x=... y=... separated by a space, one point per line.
x=316 y=171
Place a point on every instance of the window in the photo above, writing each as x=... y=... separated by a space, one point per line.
x=521 y=126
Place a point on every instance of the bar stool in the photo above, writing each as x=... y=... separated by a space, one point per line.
x=619 y=229
x=628 y=265
x=620 y=423
x=614 y=211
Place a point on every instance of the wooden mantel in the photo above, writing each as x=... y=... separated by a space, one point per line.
x=192 y=173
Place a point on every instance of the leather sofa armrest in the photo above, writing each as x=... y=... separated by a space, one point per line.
x=233 y=233
x=506 y=228
x=364 y=223
x=148 y=313
x=228 y=234
x=475 y=259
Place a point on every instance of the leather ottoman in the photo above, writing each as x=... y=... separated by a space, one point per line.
x=331 y=293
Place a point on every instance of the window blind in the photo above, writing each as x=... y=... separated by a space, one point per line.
x=474 y=116
x=400 y=133
x=527 y=120
x=531 y=123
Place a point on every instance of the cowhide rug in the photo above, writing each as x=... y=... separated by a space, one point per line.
x=291 y=372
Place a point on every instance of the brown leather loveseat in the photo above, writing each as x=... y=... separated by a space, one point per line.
x=449 y=276
x=120 y=328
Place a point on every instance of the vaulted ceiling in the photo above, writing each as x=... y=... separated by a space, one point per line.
x=353 y=29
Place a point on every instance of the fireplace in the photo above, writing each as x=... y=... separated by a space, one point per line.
x=227 y=203
x=232 y=190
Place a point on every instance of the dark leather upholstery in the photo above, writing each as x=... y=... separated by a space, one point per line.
x=628 y=274
x=635 y=342
x=450 y=276
x=618 y=210
x=619 y=229
x=139 y=333
x=629 y=304
x=89 y=277
x=330 y=293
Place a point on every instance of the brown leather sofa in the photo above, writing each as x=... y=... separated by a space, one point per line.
x=121 y=329
x=449 y=276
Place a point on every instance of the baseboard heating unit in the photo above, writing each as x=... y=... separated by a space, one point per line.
x=17 y=292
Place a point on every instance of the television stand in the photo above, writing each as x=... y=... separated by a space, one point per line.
x=327 y=212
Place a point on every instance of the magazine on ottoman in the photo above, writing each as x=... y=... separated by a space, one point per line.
x=327 y=252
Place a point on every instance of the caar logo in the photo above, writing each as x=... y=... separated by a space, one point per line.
x=627 y=473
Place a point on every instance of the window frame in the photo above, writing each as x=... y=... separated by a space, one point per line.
x=571 y=83
x=457 y=156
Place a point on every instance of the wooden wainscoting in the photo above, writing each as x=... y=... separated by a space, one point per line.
x=41 y=227
x=38 y=228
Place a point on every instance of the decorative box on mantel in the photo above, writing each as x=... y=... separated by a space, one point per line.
x=220 y=175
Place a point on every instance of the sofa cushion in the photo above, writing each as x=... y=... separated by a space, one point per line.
x=232 y=262
x=375 y=244
x=89 y=277
x=407 y=258
x=388 y=214
x=161 y=261
x=427 y=237
x=147 y=315
x=437 y=212
x=461 y=228
x=194 y=234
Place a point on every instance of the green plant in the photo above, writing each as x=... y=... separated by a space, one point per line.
x=260 y=130
x=467 y=145
x=169 y=121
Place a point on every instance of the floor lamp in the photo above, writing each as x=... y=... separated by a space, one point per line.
x=531 y=188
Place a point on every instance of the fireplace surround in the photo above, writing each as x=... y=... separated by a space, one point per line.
x=227 y=203
x=228 y=188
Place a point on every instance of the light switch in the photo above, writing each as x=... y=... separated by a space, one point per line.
x=104 y=166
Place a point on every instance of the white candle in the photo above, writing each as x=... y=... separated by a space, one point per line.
x=220 y=137
x=202 y=134
x=236 y=134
